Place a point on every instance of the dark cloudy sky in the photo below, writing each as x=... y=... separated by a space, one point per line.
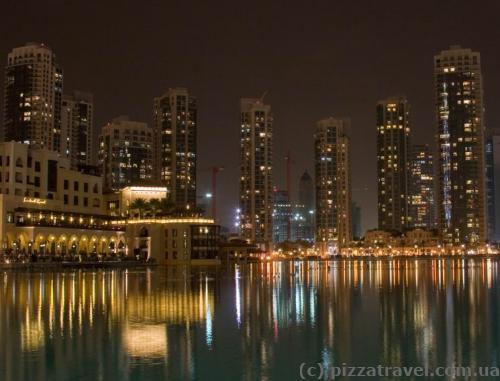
x=314 y=58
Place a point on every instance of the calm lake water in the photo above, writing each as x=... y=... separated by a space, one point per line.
x=249 y=322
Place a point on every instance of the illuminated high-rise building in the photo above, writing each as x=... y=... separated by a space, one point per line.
x=33 y=95
x=393 y=130
x=333 y=184
x=76 y=128
x=256 y=193
x=422 y=201
x=175 y=145
x=282 y=216
x=493 y=184
x=126 y=153
x=460 y=130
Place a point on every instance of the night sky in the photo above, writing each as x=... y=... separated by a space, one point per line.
x=315 y=59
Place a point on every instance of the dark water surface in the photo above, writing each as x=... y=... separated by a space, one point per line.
x=249 y=322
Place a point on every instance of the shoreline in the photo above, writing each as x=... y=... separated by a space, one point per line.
x=132 y=264
x=73 y=265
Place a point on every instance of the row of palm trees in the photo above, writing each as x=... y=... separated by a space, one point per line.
x=155 y=207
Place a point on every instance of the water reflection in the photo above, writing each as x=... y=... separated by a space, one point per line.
x=249 y=322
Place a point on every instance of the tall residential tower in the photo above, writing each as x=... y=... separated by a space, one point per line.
x=33 y=95
x=175 y=146
x=422 y=200
x=461 y=163
x=333 y=184
x=393 y=130
x=256 y=193
x=77 y=129
x=126 y=153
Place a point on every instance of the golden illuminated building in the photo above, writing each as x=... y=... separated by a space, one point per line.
x=256 y=193
x=175 y=145
x=333 y=184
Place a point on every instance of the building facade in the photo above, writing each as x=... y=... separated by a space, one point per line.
x=77 y=129
x=32 y=98
x=393 y=131
x=333 y=184
x=46 y=207
x=126 y=154
x=422 y=200
x=460 y=130
x=119 y=203
x=256 y=193
x=174 y=240
x=282 y=217
x=175 y=145
x=493 y=184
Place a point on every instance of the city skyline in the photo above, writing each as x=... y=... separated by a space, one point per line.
x=326 y=90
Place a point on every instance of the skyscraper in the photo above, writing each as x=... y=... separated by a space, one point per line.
x=282 y=214
x=126 y=153
x=333 y=184
x=493 y=184
x=256 y=196
x=393 y=130
x=461 y=164
x=33 y=94
x=76 y=128
x=422 y=201
x=175 y=146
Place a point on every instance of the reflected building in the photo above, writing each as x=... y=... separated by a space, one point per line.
x=393 y=135
x=438 y=312
x=69 y=316
x=460 y=129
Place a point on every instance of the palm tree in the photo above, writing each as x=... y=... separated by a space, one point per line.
x=166 y=206
x=154 y=205
x=140 y=205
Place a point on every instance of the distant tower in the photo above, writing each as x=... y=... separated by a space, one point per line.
x=307 y=207
x=422 y=200
x=175 y=145
x=393 y=130
x=460 y=130
x=126 y=153
x=282 y=214
x=33 y=95
x=77 y=128
x=256 y=196
x=333 y=183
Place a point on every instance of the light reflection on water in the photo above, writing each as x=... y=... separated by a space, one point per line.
x=248 y=322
